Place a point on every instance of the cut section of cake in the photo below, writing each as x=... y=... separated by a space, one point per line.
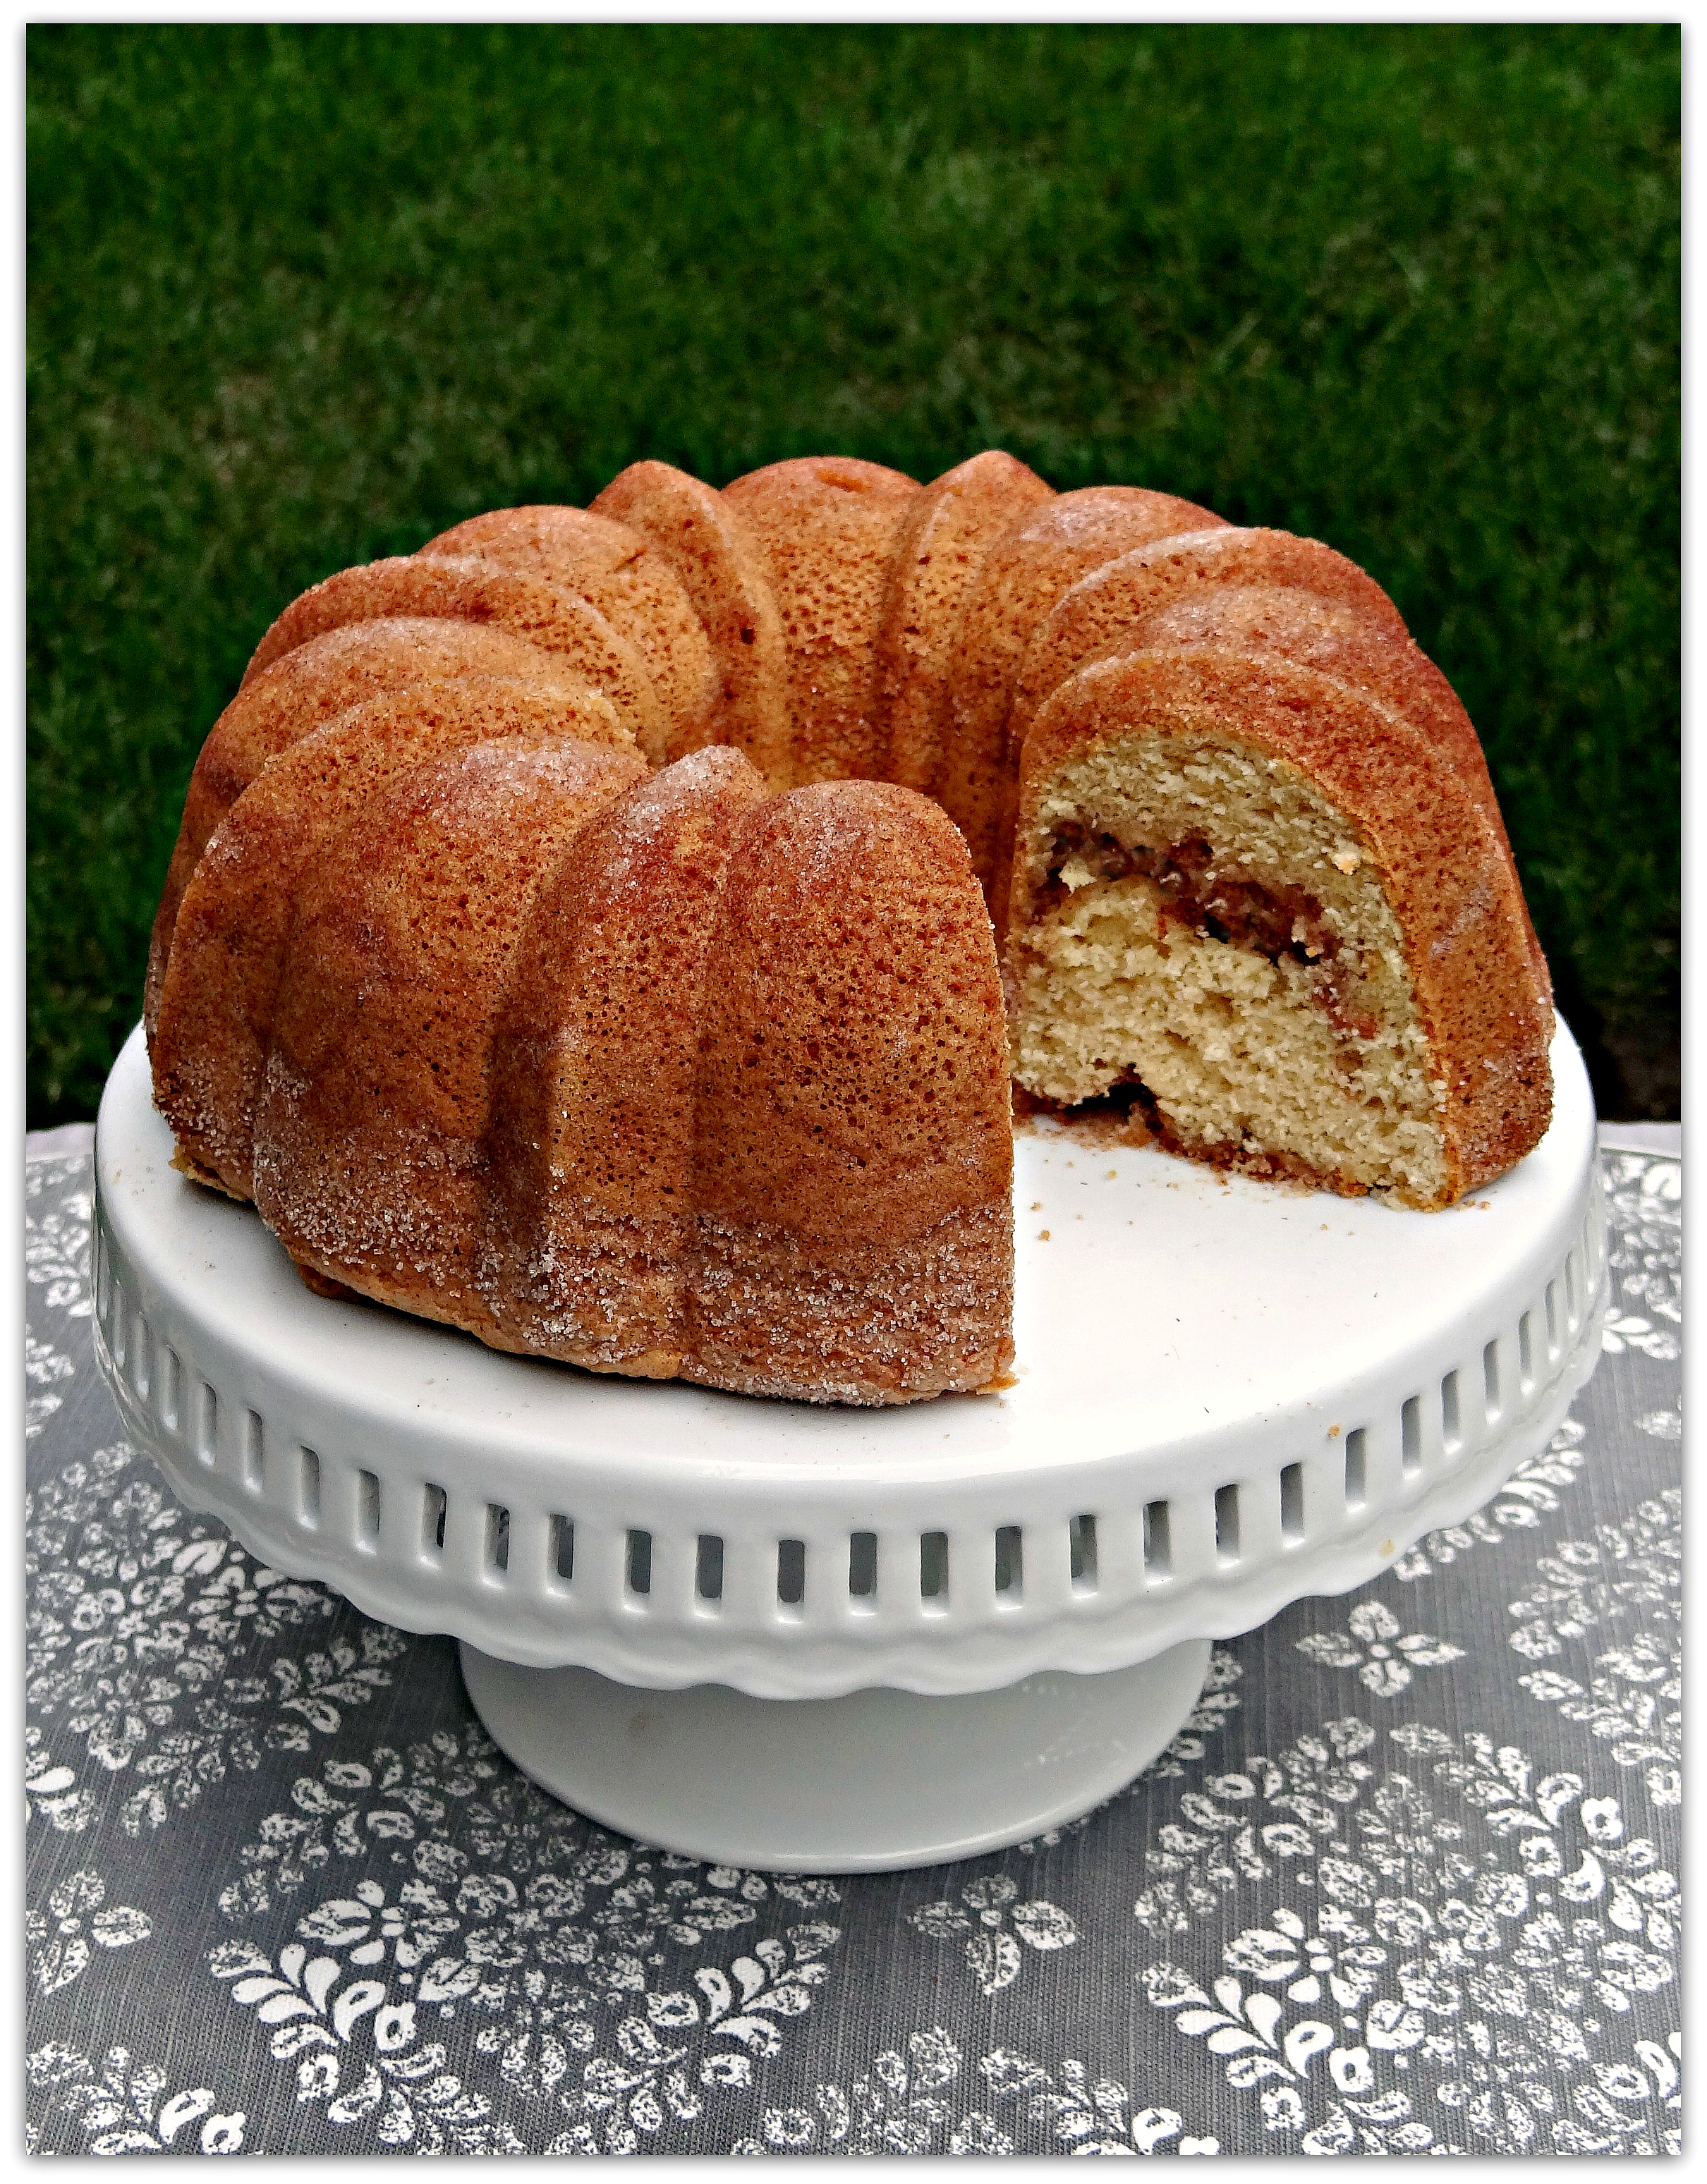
x=1255 y=906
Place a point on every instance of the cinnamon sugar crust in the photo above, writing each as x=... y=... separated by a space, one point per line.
x=616 y=570
x=370 y=1130
x=824 y=529
x=853 y=1156
x=938 y=553
x=215 y=1015
x=1094 y=618
x=588 y=1221
x=312 y=685
x=467 y=590
x=721 y=571
x=540 y=1067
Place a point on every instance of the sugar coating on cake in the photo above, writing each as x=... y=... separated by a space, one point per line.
x=465 y=589
x=855 y=1191
x=1027 y=570
x=213 y=1026
x=313 y=683
x=825 y=530
x=368 y=1131
x=721 y=571
x=591 y=1222
x=940 y=547
x=537 y=1055
x=616 y=571
x=1094 y=617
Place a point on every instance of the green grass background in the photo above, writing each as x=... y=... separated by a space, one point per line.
x=297 y=297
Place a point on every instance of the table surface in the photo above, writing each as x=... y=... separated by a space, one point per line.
x=1400 y=1887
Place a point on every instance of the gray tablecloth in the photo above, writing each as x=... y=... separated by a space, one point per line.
x=1406 y=1884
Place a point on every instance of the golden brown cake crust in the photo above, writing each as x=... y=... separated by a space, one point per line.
x=717 y=565
x=824 y=527
x=556 y=620
x=303 y=690
x=590 y=1220
x=1487 y=1017
x=616 y=570
x=684 y=1080
x=939 y=549
x=853 y=1152
x=370 y=1131
x=215 y=1015
x=1092 y=619
x=1024 y=574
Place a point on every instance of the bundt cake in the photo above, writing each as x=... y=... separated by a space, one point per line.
x=613 y=931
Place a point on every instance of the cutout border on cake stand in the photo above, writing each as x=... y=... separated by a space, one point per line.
x=814 y=1638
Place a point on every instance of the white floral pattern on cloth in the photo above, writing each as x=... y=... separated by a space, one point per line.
x=1646 y=1260
x=285 y=1896
x=1246 y=1826
x=1626 y=1573
x=62 y=1944
x=1422 y=1970
x=912 y=2103
x=58 y=1211
x=51 y=1791
x=1630 y=1331
x=1216 y=1702
x=139 y=1619
x=1645 y=1212
x=527 y=1942
x=322 y=2021
x=120 y=2111
x=44 y=1369
x=1625 y=1579
x=1379 y=1648
x=995 y=1923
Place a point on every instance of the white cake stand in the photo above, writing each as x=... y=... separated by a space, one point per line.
x=984 y=1613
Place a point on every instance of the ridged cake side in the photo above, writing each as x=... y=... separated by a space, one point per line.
x=853 y=1152
x=654 y=1074
x=222 y=977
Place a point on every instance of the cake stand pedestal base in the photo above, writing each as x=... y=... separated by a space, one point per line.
x=866 y=1782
